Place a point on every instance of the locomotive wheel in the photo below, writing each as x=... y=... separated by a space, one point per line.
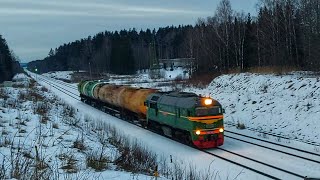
x=144 y=124
x=189 y=140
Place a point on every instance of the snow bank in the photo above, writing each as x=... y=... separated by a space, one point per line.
x=20 y=77
x=176 y=73
x=288 y=105
x=42 y=123
x=66 y=75
x=145 y=76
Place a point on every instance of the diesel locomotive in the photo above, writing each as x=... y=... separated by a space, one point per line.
x=183 y=116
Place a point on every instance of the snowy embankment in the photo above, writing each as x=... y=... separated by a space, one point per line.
x=288 y=105
x=276 y=104
x=140 y=77
x=149 y=77
x=62 y=75
x=185 y=159
x=43 y=138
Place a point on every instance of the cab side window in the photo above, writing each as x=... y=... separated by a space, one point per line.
x=153 y=105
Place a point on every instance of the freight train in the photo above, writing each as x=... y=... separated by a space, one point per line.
x=183 y=116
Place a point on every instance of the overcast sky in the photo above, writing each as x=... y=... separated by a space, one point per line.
x=32 y=27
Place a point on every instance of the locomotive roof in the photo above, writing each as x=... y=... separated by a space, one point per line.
x=185 y=102
x=182 y=94
x=180 y=99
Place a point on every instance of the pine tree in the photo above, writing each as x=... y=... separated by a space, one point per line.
x=6 y=61
x=51 y=53
x=249 y=46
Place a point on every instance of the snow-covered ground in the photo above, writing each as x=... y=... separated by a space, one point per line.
x=165 y=74
x=38 y=129
x=148 y=77
x=144 y=76
x=239 y=93
x=183 y=157
x=66 y=75
x=288 y=105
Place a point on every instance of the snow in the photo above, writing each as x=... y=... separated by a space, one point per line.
x=286 y=105
x=147 y=77
x=166 y=148
x=23 y=129
x=142 y=76
x=20 y=78
x=65 y=75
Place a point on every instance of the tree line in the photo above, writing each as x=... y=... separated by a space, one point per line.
x=284 y=33
x=8 y=62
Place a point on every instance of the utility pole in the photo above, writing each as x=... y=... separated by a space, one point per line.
x=90 y=71
x=36 y=70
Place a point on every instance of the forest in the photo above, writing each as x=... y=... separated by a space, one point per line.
x=8 y=64
x=283 y=33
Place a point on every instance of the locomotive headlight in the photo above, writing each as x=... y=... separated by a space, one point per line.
x=198 y=132
x=221 y=130
x=208 y=101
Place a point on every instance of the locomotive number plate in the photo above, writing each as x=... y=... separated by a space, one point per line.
x=209 y=125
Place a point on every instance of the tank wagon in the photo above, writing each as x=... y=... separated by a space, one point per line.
x=183 y=116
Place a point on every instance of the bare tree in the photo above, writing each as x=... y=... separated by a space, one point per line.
x=223 y=17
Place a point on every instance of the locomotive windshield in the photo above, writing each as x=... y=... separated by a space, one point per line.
x=208 y=111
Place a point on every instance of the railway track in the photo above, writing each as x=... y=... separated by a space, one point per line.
x=61 y=89
x=297 y=153
x=275 y=135
x=59 y=86
x=254 y=161
x=60 y=82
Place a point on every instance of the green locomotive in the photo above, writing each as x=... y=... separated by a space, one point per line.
x=183 y=116
x=188 y=117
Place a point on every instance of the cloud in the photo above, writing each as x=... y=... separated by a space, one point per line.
x=31 y=52
x=95 y=9
x=32 y=27
x=49 y=12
